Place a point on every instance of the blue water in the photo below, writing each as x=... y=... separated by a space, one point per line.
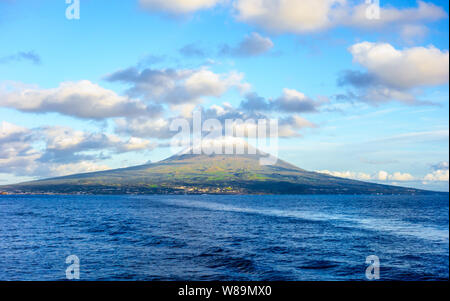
x=224 y=237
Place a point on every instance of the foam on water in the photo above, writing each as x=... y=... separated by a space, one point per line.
x=397 y=227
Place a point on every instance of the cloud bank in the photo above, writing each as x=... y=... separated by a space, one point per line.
x=55 y=150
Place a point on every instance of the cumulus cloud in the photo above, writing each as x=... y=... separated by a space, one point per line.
x=305 y=16
x=30 y=56
x=81 y=99
x=291 y=101
x=252 y=45
x=177 y=6
x=403 y=69
x=176 y=87
x=393 y=74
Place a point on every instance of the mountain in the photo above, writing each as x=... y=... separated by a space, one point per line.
x=198 y=174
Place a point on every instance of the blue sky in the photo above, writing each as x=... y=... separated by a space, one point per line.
x=377 y=90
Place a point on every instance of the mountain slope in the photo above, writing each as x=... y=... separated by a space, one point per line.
x=193 y=174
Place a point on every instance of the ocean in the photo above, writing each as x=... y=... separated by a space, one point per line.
x=205 y=237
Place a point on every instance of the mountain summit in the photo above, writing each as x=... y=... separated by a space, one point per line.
x=188 y=173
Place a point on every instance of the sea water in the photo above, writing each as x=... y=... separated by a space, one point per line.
x=306 y=237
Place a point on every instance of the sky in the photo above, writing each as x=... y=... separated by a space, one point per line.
x=359 y=92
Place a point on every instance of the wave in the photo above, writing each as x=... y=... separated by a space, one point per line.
x=393 y=226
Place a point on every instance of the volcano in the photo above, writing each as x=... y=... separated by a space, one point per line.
x=188 y=173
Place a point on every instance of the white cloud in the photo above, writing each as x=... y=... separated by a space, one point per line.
x=403 y=69
x=402 y=177
x=437 y=175
x=136 y=144
x=394 y=75
x=296 y=16
x=382 y=176
x=207 y=83
x=348 y=174
x=305 y=16
x=81 y=99
x=8 y=130
x=178 y=6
